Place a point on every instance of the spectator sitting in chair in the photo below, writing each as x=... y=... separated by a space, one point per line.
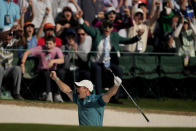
x=9 y=73
x=49 y=56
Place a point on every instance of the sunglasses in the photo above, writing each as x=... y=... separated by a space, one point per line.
x=81 y=34
x=50 y=29
x=107 y=25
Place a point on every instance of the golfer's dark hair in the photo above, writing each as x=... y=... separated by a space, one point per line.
x=50 y=38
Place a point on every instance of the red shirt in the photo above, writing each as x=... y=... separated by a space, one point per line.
x=41 y=41
x=16 y=1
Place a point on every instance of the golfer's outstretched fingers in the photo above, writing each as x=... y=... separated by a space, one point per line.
x=53 y=75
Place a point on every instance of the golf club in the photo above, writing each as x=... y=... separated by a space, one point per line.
x=139 y=109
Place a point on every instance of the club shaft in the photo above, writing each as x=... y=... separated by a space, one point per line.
x=140 y=110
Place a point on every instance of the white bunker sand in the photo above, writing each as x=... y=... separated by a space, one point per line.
x=31 y=114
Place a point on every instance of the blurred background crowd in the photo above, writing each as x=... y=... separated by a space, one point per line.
x=167 y=26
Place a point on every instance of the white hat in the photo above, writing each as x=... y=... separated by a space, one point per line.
x=86 y=83
x=138 y=10
x=73 y=7
x=110 y=9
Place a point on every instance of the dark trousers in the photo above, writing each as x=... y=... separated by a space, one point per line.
x=12 y=77
x=47 y=84
x=99 y=78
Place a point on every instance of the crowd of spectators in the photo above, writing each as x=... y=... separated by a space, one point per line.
x=80 y=31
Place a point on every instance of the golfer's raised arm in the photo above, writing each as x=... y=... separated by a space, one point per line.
x=112 y=91
x=63 y=87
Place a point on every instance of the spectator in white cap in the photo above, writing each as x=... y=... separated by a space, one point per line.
x=138 y=21
x=186 y=31
x=90 y=106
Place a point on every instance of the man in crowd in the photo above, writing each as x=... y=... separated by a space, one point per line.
x=9 y=73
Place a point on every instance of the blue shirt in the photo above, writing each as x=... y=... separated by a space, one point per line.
x=30 y=44
x=10 y=9
x=90 y=110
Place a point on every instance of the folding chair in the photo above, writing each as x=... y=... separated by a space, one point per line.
x=126 y=64
x=29 y=79
x=172 y=74
x=145 y=70
x=191 y=74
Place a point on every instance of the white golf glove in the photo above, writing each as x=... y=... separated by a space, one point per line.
x=117 y=81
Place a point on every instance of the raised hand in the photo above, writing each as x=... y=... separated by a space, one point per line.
x=30 y=2
x=53 y=75
x=79 y=14
x=47 y=10
x=140 y=32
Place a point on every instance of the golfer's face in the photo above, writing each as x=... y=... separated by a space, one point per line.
x=82 y=91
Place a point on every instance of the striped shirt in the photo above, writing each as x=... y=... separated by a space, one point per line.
x=6 y=54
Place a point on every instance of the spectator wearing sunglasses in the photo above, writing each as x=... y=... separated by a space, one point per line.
x=105 y=51
x=84 y=48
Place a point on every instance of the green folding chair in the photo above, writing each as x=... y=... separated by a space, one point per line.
x=145 y=69
x=126 y=64
x=172 y=74
x=191 y=74
x=29 y=79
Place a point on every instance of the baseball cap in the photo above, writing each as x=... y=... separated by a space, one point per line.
x=29 y=23
x=48 y=26
x=70 y=32
x=138 y=10
x=86 y=83
x=110 y=9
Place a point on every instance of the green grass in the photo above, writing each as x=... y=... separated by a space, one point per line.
x=39 y=127
x=166 y=105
